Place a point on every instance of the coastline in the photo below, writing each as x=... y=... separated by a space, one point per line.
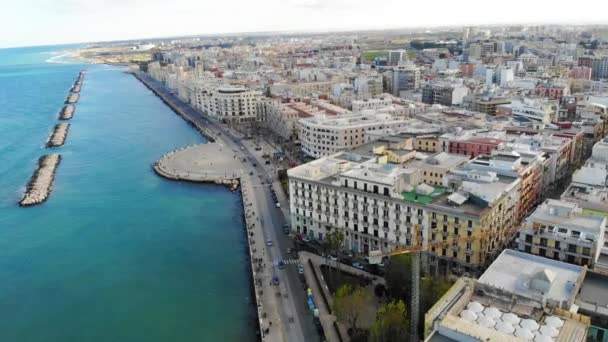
x=255 y=289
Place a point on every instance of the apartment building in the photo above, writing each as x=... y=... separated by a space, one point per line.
x=370 y=104
x=382 y=206
x=229 y=104
x=534 y=109
x=404 y=78
x=322 y=135
x=559 y=230
x=511 y=164
x=444 y=93
x=434 y=168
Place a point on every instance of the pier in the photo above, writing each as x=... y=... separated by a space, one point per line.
x=41 y=182
x=202 y=163
x=60 y=133
x=72 y=98
x=67 y=112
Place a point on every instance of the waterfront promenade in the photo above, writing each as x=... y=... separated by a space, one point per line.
x=210 y=162
x=288 y=300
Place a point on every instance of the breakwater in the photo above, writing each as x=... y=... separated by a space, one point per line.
x=40 y=184
x=72 y=98
x=176 y=109
x=67 y=112
x=60 y=133
x=76 y=88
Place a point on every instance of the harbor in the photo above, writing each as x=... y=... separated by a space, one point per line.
x=67 y=112
x=60 y=133
x=41 y=182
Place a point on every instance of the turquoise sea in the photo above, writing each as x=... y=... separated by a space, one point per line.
x=116 y=253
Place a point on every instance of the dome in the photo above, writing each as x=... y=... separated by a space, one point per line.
x=505 y=328
x=486 y=322
x=529 y=324
x=510 y=318
x=554 y=322
x=492 y=312
x=475 y=307
x=548 y=330
x=468 y=315
x=524 y=334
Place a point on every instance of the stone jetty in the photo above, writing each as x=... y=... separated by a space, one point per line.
x=67 y=112
x=75 y=88
x=60 y=133
x=204 y=163
x=72 y=98
x=39 y=186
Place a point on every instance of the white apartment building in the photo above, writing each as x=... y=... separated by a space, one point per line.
x=377 y=103
x=323 y=135
x=234 y=104
x=534 y=109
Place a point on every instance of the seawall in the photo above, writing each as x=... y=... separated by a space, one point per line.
x=202 y=129
x=60 y=133
x=67 y=112
x=40 y=184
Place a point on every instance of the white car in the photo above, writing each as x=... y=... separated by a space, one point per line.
x=278 y=205
x=269 y=242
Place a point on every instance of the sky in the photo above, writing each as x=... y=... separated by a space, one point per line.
x=42 y=22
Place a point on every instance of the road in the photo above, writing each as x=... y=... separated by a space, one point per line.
x=293 y=303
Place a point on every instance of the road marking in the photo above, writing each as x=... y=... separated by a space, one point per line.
x=288 y=262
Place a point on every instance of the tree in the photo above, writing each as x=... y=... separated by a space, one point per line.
x=349 y=304
x=398 y=277
x=391 y=323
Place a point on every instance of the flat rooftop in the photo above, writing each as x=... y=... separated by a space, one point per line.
x=595 y=289
x=513 y=271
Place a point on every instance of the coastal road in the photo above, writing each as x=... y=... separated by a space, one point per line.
x=296 y=316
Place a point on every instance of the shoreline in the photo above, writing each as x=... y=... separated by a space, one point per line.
x=203 y=130
x=239 y=186
x=39 y=187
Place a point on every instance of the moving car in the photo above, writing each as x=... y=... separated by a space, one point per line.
x=281 y=264
x=275 y=280
x=269 y=242
x=300 y=268
x=278 y=205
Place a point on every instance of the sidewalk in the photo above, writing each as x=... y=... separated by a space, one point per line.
x=261 y=268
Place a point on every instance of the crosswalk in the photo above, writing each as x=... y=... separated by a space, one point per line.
x=288 y=262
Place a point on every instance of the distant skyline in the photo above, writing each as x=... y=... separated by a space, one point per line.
x=45 y=22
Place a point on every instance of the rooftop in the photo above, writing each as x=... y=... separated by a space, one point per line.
x=521 y=273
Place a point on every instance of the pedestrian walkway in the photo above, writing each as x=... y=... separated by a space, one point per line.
x=288 y=262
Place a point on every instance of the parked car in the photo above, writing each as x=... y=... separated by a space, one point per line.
x=258 y=148
x=333 y=258
x=278 y=205
x=267 y=162
x=300 y=268
x=358 y=266
x=275 y=280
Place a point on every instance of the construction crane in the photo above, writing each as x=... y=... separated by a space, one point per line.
x=418 y=246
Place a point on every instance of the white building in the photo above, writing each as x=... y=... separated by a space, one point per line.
x=534 y=109
x=323 y=135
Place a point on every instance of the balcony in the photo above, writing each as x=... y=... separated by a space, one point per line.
x=468 y=251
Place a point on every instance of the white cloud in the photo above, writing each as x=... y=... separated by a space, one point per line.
x=58 y=21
